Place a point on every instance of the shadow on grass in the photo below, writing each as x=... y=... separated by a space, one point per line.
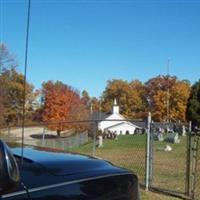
x=46 y=136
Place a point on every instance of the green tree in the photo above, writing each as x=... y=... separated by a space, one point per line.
x=193 y=105
x=95 y=105
x=85 y=98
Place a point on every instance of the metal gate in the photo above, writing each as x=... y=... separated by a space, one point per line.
x=169 y=155
x=173 y=167
x=167 y=160
x=194 y=167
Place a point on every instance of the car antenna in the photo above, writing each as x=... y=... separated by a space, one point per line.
x=25 y=72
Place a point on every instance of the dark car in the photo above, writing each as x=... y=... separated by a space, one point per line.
x=45 y=175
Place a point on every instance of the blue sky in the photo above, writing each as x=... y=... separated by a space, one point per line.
x=86 y=43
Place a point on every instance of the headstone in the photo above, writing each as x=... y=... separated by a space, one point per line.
x=100 y=141
x=172 y=138
x=183 y=131
x=158 y=137
x=168 y=148
x=116 y=137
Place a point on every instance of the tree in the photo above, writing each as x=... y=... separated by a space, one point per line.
x=179 y=95
x=80 y=114
x=1 y=111
x=6 y=60
x=95 y=105
x=193 y=105
x=128 y=97
x=13 y=93
x=12 y=89
x=159 y=109
x=139 y=89
x=165 y=93
x=61 y=103
x=85 y=98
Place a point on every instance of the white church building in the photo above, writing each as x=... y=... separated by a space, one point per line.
x=116 y=123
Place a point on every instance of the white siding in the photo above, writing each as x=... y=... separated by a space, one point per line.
x=104 y=124
x=122 y=129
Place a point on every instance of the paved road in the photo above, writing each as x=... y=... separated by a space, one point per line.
x=31 y=134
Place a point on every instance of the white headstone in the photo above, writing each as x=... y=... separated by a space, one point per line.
x=158 y=137
x=168 y=148
x=183 y=131
x=100 y=141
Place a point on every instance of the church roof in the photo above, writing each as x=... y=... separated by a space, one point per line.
x=99 y=116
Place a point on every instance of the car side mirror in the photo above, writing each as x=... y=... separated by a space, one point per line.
x=9 y=171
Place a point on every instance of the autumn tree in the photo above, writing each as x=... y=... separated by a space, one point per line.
x=80 y=113
x=12 y=89
x=6 y=61
x=158 y=83
x=139 y=89
x=13 y=92
x=127 y=96
x=159 y=108
x=179 y=95
x=167 y=94
x=61 y=103
x=95 y=105
x=193 y=105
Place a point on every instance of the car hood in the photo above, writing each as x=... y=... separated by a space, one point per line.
x=41 y=166
x=60 y=163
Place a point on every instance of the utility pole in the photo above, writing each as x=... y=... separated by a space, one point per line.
x=168 y=62
x=100 y=109
x=1 y=22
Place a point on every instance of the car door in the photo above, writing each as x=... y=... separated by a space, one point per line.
x=20 y=194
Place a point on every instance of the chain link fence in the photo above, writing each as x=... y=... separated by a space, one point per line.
x=195 y=166
x=198 y=172
x=126 y=149
x=160 y=161
x=169 y=153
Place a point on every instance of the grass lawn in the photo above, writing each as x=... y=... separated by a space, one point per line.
x=154 y=196
x=129 y=152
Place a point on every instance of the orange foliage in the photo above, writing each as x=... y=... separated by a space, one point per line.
x=157 y=92
x=60 y=105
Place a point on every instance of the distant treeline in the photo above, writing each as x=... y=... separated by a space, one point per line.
x=166 y=97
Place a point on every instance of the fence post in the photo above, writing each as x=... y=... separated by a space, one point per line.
x=188 y=160
x=43 y=136
x=194 y=164
x=94 y=138
x=151 y=153
x=148 y=153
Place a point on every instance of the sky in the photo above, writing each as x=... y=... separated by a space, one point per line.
x=85 y=43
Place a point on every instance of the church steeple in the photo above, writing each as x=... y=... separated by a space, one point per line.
x=115 y=107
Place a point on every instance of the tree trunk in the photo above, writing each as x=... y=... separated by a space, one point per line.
x=58 y=133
